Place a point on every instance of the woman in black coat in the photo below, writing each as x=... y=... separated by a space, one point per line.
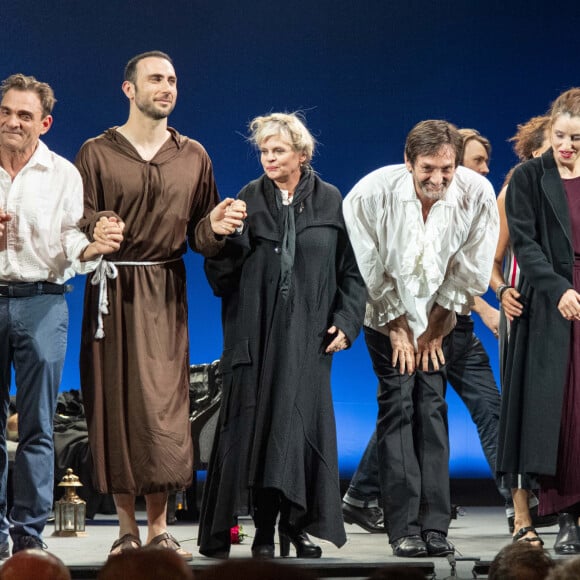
x=291 y=297
x=539 y=439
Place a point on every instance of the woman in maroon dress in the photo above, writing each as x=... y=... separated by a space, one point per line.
x=539 y=439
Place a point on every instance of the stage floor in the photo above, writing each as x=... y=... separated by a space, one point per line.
x=477 y=535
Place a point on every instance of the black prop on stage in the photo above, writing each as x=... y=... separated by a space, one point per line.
x=72 y=444
x=205 y=393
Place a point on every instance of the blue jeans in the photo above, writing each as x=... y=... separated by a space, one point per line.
x=33 y=335
x=469 y=373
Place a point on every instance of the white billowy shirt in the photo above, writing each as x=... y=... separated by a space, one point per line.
x=42 y=242
x=409 y=264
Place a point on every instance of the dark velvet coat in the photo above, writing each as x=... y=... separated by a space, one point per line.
x=276 y=427
x=538 y=350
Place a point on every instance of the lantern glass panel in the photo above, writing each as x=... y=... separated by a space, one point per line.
x=80 y=517
x=68 y=516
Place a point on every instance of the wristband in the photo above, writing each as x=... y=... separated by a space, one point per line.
x=500 y=290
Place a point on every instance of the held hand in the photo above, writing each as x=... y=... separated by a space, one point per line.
x=510 y=302
x=227 y=216
x=108 y=235
x=4 y=217
x=401 y=339
x=569 y=305
x=339 y=342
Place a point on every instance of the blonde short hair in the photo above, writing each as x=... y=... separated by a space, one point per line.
x=287 y=125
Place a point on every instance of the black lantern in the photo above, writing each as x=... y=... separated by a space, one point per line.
x=70 y=511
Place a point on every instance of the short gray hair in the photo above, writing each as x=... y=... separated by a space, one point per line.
x=287 y=125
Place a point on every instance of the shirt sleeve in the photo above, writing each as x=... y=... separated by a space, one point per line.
x=469 y=270
x=361 y=214
x=74 y=241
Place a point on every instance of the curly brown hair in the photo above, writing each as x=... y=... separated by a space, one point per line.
x=530 y=136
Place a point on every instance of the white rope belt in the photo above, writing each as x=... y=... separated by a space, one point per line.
x=109 y=270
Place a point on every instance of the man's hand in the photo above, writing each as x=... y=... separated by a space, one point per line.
x=488 y=314
x=430 y=343
x=107 y=236
x=227 y=216
x=402 y=344
x=429 y=350
x=4 y=217
x=339 y=342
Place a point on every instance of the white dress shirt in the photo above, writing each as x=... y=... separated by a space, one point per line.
x=409 y=264
x=42 y=242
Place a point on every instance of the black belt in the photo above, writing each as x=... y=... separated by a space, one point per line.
x=27 y=289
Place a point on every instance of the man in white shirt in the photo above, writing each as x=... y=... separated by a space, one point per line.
x=41 y=201
x=424 y=234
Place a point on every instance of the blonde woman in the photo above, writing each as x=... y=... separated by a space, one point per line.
x=292 y=296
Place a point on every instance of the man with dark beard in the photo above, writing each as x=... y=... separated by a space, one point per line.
x=135 y=352
x=424 y=234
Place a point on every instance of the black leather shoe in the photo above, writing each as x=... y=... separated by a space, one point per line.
x=538 y=521
x=305 y=548
x=409 y=547
x=568 y=538
x=370 y=519
x=437 y=543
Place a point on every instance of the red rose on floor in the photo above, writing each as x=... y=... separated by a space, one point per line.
x=237 y=534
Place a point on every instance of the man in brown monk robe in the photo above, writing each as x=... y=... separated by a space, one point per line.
x=135 y=353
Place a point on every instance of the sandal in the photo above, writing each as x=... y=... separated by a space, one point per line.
x=166 y=540
x=520 y=536
x=124 y=544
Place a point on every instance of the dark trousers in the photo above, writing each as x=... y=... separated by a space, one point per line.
x=412 y=443
x=469 y=373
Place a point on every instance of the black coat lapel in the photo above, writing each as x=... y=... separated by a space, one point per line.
x=555 y=194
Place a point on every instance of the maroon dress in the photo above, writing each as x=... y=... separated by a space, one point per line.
x=562 y=491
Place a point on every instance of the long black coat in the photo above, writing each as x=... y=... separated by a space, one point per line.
x=276 y=426
x=538 y=350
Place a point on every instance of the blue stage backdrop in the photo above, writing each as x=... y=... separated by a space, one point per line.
x=362 y=72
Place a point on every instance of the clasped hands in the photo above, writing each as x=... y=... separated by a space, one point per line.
x=107 y=237
x=4 y=217
x=228 y=216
